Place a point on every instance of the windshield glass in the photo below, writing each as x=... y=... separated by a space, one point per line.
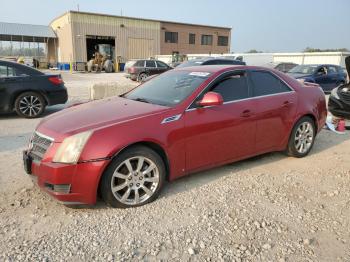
x=168 y=89
x=304 y=69
x=190 y=63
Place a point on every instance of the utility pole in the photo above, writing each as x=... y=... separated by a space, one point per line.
x=78 y=7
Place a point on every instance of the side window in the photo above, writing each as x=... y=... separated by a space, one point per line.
x=3 y=71
x=150 y=63
x=210 y=62
x=280 y=67
x=264 y=83
x=225 y=62
x=11 y=71
x=332 y=70
x=161 y=64
x=234 y=87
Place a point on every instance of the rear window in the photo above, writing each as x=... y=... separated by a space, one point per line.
x=140 y=63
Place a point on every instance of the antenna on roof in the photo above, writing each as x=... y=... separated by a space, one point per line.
x=121 y=12
x=78 y=7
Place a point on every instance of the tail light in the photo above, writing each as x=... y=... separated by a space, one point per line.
x=132 y=70
x=56 y=80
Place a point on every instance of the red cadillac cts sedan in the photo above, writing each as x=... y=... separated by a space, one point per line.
x=183 y=121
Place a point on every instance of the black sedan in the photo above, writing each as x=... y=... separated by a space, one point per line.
x=210 y=61
x=28 y=91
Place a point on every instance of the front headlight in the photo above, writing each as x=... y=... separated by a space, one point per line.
x=334 y=93
x=70 y=149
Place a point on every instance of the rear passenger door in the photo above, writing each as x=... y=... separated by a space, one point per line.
x=275 y=108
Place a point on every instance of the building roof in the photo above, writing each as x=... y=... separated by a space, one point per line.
x=144 y=19
x=13 y=29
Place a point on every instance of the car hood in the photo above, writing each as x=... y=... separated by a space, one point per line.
x=299 y=75
x=94 y=115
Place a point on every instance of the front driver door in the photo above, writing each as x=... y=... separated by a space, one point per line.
x=322 y=78
x=219 y=134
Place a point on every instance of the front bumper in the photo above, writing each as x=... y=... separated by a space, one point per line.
x=338 y=108
x=70 y=184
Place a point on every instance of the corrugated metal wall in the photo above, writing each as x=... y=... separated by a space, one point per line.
x=144 y=36
x=63 y=30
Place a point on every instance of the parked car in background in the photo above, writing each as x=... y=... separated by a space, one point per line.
x=182 y=121
x=28 y=91
x=141 y=69
x=281 y=66
x=339 y=100
x=327 y=76
x=210 y=61
x=129 y=64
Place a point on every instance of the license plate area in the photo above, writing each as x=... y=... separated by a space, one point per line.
x=27 y=163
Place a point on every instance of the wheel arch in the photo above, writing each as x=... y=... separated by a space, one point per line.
x=312 y=116
x=150 y=144
x=19 y=92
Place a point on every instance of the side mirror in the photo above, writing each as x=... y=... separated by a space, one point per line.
x=211 y=99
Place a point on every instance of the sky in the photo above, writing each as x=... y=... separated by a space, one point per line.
x=266 y=25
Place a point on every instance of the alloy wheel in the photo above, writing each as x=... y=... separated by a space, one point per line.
x=304 y=137
x=30 y=105
x=135 y=180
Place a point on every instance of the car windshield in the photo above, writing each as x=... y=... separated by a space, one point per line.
x=168 y=89
x=190 y=63
x=304 y=69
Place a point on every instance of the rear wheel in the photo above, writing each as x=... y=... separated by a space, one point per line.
x=134 y=178
x=142 y=77
x=302 y=138
x=30 y=105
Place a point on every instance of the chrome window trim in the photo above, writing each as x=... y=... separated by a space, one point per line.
x=44 y=136
x=188 y=109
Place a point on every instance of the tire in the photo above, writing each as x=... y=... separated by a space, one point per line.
x=119 y=187
x=108 y=66
x=142 y=77
x=302 y=138
x=29 y=105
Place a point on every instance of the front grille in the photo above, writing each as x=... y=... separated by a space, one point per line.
x=39 y=146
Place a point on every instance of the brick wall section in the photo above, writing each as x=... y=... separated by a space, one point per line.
x=183 y=46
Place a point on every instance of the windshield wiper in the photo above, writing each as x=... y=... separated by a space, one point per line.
x=140 y=99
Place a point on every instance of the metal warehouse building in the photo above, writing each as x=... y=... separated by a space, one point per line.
x=80 y=34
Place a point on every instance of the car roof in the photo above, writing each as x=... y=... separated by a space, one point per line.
x=219 y=68
x=319 y=65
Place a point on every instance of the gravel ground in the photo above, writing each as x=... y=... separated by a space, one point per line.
x=269 y=208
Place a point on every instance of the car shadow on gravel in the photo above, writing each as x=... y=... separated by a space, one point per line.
x=17 y=141
x=324 y=141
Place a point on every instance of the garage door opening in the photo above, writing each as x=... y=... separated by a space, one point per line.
x=105 y=45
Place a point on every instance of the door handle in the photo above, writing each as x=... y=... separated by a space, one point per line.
x=246 y=113
x=286 y=104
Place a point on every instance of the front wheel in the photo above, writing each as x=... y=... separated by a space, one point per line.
x=134 y=178
x=30 y=105
x=302 y=138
